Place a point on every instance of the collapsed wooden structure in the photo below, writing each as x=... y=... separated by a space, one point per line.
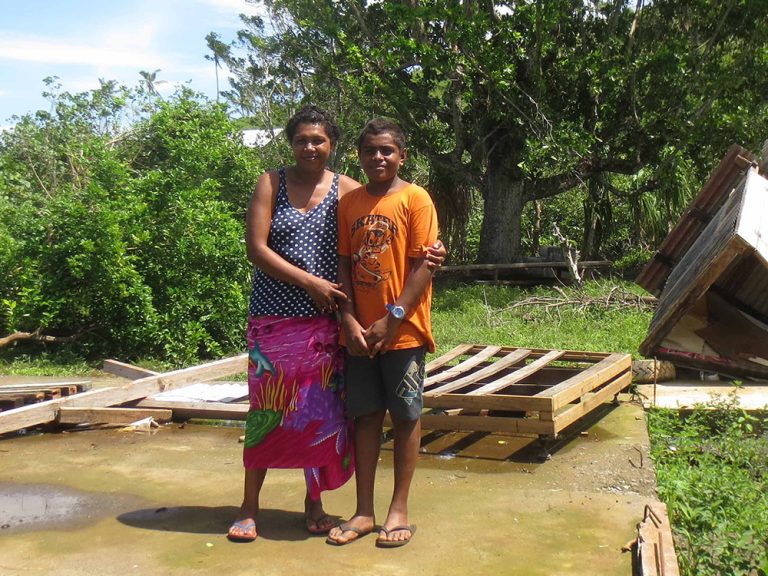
x=711 y=276
x=470 y=388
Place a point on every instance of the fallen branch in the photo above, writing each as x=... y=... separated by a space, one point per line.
x=34 y=336
x=615 y=299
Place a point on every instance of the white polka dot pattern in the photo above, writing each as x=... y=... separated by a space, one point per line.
x=307 y=240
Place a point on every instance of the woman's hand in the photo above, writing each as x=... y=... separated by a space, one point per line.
x=324 y=294
x=435 y=255
x=354 y=334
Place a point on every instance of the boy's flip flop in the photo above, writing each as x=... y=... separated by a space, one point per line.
x=359 y=534
x=385 y=543
x=247 y=532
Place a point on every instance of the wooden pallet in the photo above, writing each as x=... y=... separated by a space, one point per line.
x=17 y=395
x=519 y=390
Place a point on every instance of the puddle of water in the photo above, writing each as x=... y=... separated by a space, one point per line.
x=36 y=506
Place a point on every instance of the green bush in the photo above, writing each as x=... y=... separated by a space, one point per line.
x=712 y=472
x=128 y=239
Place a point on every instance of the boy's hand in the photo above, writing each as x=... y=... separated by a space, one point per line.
x=435 y=254
x=380 y=334
x=356 y=342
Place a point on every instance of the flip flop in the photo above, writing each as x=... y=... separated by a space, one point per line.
x=317 y=530
x=384 y=543
x=247 y=529
x=360 y=533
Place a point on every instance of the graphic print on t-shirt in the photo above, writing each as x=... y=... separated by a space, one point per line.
x=368 y=266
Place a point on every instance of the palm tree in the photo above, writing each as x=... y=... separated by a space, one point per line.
x=150 y=81
x=220 y=52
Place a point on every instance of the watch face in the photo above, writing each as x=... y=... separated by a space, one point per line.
x=398 y=312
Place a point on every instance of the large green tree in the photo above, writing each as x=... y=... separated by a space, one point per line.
x=525 y=100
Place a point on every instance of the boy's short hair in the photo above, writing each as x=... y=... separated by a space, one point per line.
x=383 y=126
x=312 y=114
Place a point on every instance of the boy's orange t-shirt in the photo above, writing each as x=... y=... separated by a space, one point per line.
x=380 y=234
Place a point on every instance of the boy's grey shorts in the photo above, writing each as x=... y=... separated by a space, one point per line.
x=393 y=381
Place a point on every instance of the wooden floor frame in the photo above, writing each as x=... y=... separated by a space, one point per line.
x=519 y=390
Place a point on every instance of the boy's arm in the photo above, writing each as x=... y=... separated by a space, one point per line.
x=353 y=332
x=380 y=334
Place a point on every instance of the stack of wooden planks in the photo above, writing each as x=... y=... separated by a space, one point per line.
x=17 y=395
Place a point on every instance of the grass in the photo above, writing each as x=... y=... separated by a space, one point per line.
x=482 y=314
x=712 y=472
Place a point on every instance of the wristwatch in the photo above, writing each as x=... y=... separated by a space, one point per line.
x=396 y=311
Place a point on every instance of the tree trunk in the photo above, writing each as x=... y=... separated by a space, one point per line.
x=503 y=202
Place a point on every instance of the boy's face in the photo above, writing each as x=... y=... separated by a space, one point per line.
x=311 y=146
x=381 y=157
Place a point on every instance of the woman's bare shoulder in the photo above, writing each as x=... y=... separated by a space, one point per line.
x=347 y=184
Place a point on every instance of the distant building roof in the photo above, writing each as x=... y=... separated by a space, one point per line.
x=257 y=137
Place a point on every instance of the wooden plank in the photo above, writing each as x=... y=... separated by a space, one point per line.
x=207 y=410
x=576 y=386
x=43 y=412
x=501 y=364
x=590 y=401
x=569 y=355
x=122 y=416
x=166 y=381
x=447 y=357
x=85 y=385
x=462 y=367
x=128 y=371
x=518 y=375
x=490 y=402
x=655 y=543
x=507 y=425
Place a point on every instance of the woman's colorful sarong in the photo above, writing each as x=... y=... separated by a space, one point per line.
x=296 y=389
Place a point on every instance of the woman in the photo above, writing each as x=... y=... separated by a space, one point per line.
x=296 y=417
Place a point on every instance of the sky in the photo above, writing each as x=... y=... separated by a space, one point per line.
x=81 y=41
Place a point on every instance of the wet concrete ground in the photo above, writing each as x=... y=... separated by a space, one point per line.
x=111 y=502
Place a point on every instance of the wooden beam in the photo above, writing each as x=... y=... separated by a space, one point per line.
x=40 y=413
x=44 y=412
x=129 y=371
x=505 y=402
x=590 y=401
x=576 y=386
x=149 y=385
x=505 y=424
x=447 y=357
x=207 y=410
x=122 y=416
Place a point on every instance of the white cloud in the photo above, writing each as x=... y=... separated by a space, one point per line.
x=236 y=6
x=64 y=51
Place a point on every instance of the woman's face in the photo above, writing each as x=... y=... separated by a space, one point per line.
x=311 y=146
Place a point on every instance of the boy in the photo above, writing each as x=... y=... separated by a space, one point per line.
x=384 y=229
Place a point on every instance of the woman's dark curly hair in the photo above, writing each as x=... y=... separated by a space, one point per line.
x=313 y=115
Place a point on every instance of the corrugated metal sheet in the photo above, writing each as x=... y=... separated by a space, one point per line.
x=721 y=183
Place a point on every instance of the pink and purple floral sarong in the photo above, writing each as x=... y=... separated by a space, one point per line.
x=296 y=389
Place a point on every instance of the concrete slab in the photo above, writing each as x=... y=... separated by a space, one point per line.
x=110 y=502
x=685 y=394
